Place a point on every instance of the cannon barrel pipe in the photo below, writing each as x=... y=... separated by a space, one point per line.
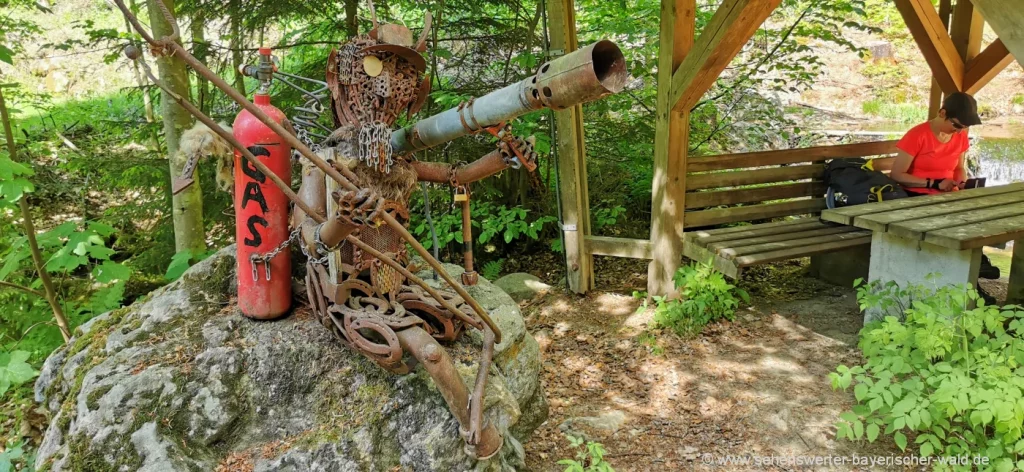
x=581 y=76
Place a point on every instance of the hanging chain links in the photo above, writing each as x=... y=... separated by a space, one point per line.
x=256 y=259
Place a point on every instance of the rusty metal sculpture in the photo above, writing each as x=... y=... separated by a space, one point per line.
x=352 y=207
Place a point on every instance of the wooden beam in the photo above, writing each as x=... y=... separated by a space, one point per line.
x=790 y=156
x=935 y=100
x=1015 y=289
x=571 y=162
x=986 y=66
x=672 y=138
x=754 y=177
x=1006 y=17
x=966 y=30
x=754 y=212
x=723 y=37
x=619 y=247
x=930 y=34
x=754 y=195
x=699 y=254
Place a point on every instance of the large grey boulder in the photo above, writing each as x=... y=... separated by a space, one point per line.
x=182 y=382
x=522 y=286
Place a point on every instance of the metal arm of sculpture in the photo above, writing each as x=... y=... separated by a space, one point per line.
x=512 y=152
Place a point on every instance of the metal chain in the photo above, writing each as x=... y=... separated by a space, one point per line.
x=256 y=258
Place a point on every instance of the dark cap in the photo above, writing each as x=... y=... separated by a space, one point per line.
x=963 y=107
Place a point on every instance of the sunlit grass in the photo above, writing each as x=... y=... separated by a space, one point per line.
x=897 y=112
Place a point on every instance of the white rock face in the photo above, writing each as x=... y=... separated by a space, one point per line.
x=183 y=382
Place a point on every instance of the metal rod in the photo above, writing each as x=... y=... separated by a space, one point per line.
x=177 y=50
x=467 y=237
x=441 y=368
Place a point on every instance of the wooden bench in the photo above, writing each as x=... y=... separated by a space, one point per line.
x=761 y=186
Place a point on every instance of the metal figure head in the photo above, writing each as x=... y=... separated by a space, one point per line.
x=374 y=78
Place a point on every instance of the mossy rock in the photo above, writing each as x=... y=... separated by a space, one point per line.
x=183 y=382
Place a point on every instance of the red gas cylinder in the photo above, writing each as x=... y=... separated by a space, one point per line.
x=261 y=216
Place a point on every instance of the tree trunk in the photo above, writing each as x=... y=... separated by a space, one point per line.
x=147 y=102
x=187 y=206
x=30 y=234
x=236 y=45
x=200 y=49
x=351 y=17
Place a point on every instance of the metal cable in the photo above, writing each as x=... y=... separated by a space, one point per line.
x=430 y=221
x=554 y=150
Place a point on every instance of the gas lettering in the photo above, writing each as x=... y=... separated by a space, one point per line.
x=254 y=192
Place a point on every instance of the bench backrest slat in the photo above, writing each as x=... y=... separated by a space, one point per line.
x=766 y=184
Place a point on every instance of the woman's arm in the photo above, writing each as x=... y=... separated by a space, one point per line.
x=902 y=165
x=899 y=171
x=960 y=174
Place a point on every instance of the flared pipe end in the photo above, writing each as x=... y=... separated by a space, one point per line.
x=584 y=75
x=609 y=65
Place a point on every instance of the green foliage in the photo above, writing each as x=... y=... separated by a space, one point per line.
x=705 y=297
x=14 y=457
x=604 y=217
x=492 y=270
x=490 y=221
x=14 y=370
x=511 y=224
x=589 y=457
x=940 y=373
x=897 y=112
x=182 y=260
x=13 y=183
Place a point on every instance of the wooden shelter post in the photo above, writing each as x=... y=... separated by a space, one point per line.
x=697 y=64
x=672 y=138
x=572 y=166
x=935 y=100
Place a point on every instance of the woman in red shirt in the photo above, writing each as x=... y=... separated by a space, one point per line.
x=931 y=157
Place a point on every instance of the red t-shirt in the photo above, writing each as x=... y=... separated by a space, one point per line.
x=933 y=159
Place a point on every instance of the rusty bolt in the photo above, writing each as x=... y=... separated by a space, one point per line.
x=132 y=52
x=432 y=352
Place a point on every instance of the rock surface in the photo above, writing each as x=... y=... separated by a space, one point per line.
x=521 y=286
x=182 y=382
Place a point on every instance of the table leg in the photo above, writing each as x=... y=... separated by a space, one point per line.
x=909 y=262
x=1015 y=290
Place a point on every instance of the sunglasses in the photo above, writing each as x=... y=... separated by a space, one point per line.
x=957 y=126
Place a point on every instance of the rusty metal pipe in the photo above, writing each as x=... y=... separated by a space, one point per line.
x=434 y=172
x=291 y=139
x=476 y=405
x=482 y=168
x=578 y=77
x=440 y=173
x=469 y=277
x=439 y=365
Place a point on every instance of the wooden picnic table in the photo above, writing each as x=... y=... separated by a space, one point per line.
x=941 y=234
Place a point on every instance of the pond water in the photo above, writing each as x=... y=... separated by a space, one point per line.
x=1001 y=160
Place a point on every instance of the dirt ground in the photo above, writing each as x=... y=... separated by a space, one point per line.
x=756 y=386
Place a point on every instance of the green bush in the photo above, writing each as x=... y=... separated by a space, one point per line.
x=705 y=297
x=939 y=373
x=589 y=457
x=489 y=221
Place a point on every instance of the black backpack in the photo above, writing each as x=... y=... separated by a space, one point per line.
x=854 y=181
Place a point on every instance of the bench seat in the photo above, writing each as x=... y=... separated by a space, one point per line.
x=732 y=249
